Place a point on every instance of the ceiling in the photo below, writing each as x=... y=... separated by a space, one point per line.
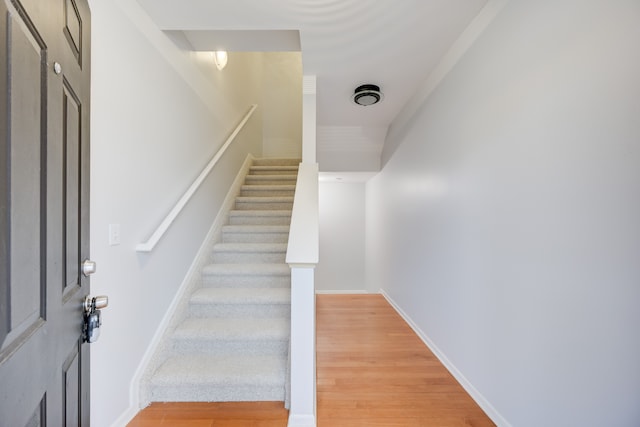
x=394 y=44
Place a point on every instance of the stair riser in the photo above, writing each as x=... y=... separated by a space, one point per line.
x=231 y=348
x=248 y=257
x=236 y=237
x=276 y=162
x=259 y=206
x=215 y=311
x=273 y=171
x=230 y=281
x=270 y=180
x=267 y=193
x=260 y=220
x=216 y=393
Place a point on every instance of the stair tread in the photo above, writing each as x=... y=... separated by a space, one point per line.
x=250 y=247
x=274 y=167
x=258 y=269
x=215 y=370
x=265 y=199
x=255 y=228
x=257 y=212
x=241 y=296
x=268 y=187
x=266 y=161
x=281 y=177
x=246 y=329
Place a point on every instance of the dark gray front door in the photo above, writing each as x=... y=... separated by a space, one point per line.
x=44 y=215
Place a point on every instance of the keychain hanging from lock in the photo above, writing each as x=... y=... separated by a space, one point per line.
x=93 y=317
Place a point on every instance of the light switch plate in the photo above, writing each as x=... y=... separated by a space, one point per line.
x=114 y=234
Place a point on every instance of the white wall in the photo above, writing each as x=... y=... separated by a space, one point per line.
x=279 y=95
x=282 y=98
x=506 y=224
x=152 y=132
x=342 y=237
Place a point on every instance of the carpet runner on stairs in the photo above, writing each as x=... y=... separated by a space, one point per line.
x=232 y=344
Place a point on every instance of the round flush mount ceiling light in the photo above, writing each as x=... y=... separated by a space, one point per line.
x=366 y=95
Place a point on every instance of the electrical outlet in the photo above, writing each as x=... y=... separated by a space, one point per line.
x=114 y=234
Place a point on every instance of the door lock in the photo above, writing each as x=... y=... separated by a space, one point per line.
x=88 y=267
x=92 y=317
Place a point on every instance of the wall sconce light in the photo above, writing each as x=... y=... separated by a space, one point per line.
x=220 y=58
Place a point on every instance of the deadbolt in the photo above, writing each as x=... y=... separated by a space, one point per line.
x=88 y=267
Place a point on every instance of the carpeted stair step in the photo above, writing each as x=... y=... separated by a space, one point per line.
x=212 y=378
x=263 y=203
x=240 y=302
x=255 y=234
x=250 y=253
x=247 y=275
x=260 y=217
x=272 y=190
x=273 y=170
x=247 y=336
x=273 y=161
x=231 y=339
x=270 y=179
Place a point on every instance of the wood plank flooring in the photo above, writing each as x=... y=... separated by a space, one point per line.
x=215 y=414
x=373 y=371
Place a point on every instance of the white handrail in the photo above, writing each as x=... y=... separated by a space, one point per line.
x=303 y=247
x=173 y=214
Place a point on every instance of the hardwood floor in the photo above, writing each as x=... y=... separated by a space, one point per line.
x=199 y=414
x=373 y=371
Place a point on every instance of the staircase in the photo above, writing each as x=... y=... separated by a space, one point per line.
x=232 y=341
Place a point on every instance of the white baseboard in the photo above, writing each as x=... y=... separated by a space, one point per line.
x=301 y=421
x=191 y=279
x=491 y=412
x=126 y=417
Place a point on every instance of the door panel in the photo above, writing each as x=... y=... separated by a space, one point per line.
x=73 y=28
x=72 y=387
x=25 y=146
x=71 y=179
x=44 y=199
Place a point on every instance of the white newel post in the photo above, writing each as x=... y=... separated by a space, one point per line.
x=302 y=412
x=302 y=257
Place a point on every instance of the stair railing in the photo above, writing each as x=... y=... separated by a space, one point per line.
x=302 y=257
x=182 y=202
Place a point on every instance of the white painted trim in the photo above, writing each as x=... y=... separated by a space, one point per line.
x=301 y=421
x=450 y=59
x=180 y=204
x=309 y=85
x=303 y=247
x=486 y=406
x=302 y=411
x=126 y=417
x=191 y=280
